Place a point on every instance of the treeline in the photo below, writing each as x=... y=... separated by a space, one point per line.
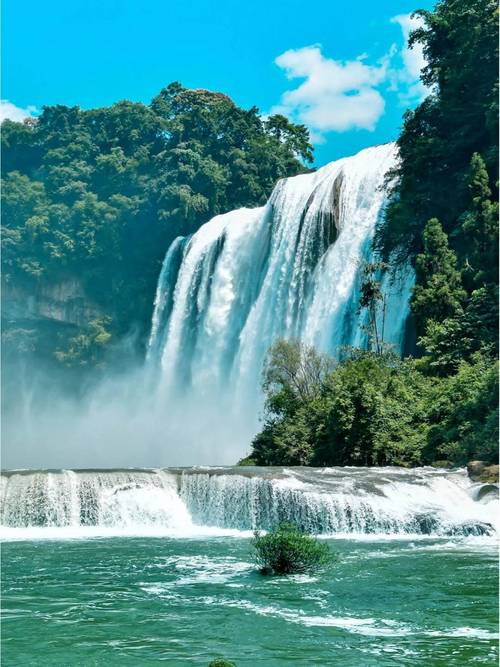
x=98 y=195
x=374 y=408
x=443 y=214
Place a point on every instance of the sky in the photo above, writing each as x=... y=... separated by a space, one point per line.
x=341 y=68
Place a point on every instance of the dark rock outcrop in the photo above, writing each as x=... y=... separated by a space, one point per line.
x=481 y=471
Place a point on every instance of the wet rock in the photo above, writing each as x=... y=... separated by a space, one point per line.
x=426 y=523
x=442 y=464
x=475 y=468
x=490 y=474
x=470 y=528
x=480 y=471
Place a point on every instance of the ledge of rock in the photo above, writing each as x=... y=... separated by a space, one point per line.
x=481 y=471
x=64 y=302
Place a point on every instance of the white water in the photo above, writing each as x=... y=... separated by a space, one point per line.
x=186 y=502
x=290 y=269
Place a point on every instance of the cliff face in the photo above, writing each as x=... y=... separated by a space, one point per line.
x=64 y=303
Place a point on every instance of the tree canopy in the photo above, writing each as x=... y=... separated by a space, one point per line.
x=99 y=194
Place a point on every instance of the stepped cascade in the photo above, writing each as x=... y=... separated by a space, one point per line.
x=291 y=269
x=380 y=501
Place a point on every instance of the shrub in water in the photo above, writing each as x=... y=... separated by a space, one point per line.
x=287 y=550
x=221 y=663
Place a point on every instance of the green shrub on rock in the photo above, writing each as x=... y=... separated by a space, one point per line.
x=287 y=550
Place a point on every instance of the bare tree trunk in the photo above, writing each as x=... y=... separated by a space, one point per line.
x=384 y=305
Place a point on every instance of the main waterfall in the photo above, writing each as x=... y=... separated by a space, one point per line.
x=291 y=269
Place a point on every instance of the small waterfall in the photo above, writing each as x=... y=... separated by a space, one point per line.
x=164 y=294
x=383 y=501
x=134 y=499
x=338 y=500
x=289 y=269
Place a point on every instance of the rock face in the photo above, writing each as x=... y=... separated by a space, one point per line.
x=480 y=471
x=63 y=302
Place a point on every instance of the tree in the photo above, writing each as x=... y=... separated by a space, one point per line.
x=294 y=373
x=457 y=119
x=438 y=292
x=86 y=348
x=480 y=228
x=463 y=414
x=449 y=342
x=293 y=380
x=375 y=413
x=373 y=299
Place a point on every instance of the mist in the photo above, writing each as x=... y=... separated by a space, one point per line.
x=125 y=419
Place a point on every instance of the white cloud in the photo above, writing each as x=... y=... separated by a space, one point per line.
x=335 y=96
x=407 y=78
x=10 y=111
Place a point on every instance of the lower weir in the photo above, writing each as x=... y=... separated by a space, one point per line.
x=331 y=501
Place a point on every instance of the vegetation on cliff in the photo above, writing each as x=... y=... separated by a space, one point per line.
x=97 y=195
x=443 y=215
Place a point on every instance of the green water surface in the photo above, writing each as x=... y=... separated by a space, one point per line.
x=149 y=601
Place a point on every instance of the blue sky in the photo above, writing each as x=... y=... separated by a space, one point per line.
x=339 y=67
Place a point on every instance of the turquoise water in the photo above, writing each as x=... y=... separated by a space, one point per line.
x=148 y=601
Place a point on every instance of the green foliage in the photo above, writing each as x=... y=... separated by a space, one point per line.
x=373 y=299
x=292 y=380
x=374 y=405
x=286 y=550
x=480 y=228
x=376 y=409
x=88 y=347
x=98 y=195
x=448 y=342
x=293 y=373
x=246 y=461
x=464 y=414
x=457 y=119
x=220 y=662
x=443 y=214
x=438 y=292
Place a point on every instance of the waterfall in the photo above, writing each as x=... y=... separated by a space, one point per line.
x=164 y=294
x=357 y=501
x=118 y=499
x=290 y=269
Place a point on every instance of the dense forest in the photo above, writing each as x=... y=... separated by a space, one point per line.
x=442 y=406
x=97 y=196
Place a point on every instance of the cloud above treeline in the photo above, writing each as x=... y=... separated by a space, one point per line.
x=336 y=96
x=407 y=78
x=11 y=112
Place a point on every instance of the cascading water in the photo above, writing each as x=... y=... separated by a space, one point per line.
x=381 y=501
x=289 y=269
x=114 y=499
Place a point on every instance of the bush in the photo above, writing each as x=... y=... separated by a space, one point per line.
x=246 y=461
x=219 y=662
x=286 y=550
